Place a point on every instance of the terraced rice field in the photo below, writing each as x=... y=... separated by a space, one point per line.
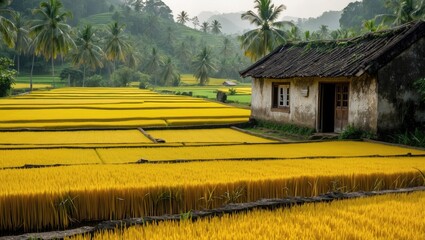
x=382 y=217
x=239 y=90
x=55 y=172
x=126 y=189
x=27 y=86
x=94 y=108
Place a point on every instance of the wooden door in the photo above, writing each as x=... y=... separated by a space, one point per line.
x=341 y=106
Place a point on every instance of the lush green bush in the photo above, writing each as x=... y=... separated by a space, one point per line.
x=72 y=76
x=413 y=138
x=352 y=132
x=94 y=81
x=6 y=76
x=286 y=128
x=125 y=75
x=232 y=91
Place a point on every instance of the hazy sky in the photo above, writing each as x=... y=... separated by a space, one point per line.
x=294 y=8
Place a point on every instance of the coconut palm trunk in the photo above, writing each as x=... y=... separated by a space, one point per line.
x=32 y=70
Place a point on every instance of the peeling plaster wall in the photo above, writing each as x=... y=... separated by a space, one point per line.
x=363 y=103
x=304 y=111
x=399 y=103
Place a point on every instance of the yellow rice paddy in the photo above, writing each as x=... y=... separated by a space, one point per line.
x=31 y=197
x=27 y=86
x=221 y=135
x=382 y=217
x=300 y=150
x=241 y=91
x=108 y=107
x=115 y=152
x=72 y=137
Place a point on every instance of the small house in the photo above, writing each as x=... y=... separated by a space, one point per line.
x=366 y=82
x=229 y=83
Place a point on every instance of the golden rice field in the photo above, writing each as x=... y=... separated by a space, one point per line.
x=222 y=135
x=29 y=151
x=382 y=217
x=76 y=138
x=111 y=107
x=54 y=172
x=257 y=151
x=27 y=86
x=189 y=79
x=31 y=198
x=239 y=90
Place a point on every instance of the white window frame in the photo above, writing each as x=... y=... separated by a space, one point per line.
x=283 y=96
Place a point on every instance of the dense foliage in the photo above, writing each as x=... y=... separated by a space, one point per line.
x=6 y=76
x=102 y=36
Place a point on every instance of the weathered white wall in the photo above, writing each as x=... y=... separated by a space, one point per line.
x=363 y=103
x=304 y=111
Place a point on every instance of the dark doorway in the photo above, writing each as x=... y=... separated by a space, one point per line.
x=327 y=107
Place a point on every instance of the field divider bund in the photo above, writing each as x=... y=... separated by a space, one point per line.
x=177 y=161
x=234 y=208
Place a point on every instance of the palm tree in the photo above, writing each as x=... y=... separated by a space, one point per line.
x=7 y=28
x=183 y=17
x=138 y=5
x=117 y=47
x=22 y=40
x=370 y=26
x=87 y=53
x=4 y=2
x=226 y=47
x=294 y=34
x=205 y=27
x=154 y=65
x=216 y=27
x=403 y=11
x=203 y=65
x=169 y=74
x=269 y=34
x=195 y=22
x=50 y=31
x=184 y=55
x=324 y=32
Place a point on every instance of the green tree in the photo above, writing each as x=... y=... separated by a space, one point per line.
x=170 y=75
x=4 y=2
x=87 y=53
x=184 y=55
x=216 y=27
x=195 y=22
x=204 y=66
x=117 y=46
x=22 y=39
x=153 y=66
x=51 y=34
x=226 y=50
x=356 y=13
x=6 y=76
x=324 y=32
x=158 y=8
x=7 y=28
x=205 y=26
x=403 y=11
x=371 y=26
x=183 y=17
x=294 y=34
x=269 y=32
